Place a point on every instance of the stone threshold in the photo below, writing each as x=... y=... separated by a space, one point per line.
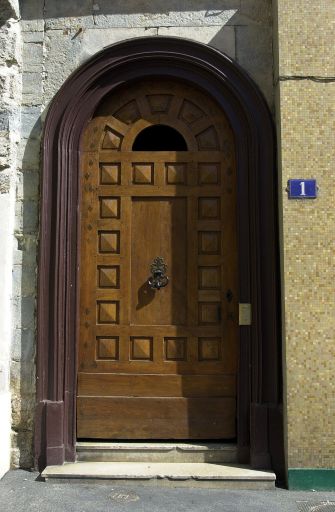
x=223 y=476
x=164 y=446
x=91 y=451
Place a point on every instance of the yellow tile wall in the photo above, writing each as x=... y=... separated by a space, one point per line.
x=306 y=122
x=306 y=31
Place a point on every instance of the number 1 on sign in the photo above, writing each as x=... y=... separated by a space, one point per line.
x=302 y=188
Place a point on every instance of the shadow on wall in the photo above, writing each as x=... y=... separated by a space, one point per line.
x=240 y=28
x=23 y=371
x=133 y=13
x=64 y=8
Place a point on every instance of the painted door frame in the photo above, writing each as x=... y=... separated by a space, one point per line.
x=259 y=417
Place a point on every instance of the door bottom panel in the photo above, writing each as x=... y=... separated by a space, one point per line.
x=155 y=418
x=187 y=386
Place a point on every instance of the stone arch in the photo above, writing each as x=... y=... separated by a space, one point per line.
x=260 y=439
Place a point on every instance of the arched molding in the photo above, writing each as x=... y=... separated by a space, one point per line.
x=259 y=387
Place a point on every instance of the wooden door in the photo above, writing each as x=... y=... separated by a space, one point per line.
x=158 y=364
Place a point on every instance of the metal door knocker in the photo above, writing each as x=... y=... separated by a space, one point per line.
x=158 y=278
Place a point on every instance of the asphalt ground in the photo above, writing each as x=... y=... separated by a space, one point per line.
x=22 y=491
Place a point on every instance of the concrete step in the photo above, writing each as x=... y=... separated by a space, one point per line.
x=156 y=452
x=223 y=476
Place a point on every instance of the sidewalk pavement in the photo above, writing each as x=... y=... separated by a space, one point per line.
x=21 y=491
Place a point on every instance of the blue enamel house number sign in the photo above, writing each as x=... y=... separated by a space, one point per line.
x=302 y=189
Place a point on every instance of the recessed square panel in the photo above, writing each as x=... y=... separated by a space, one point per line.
x=108 y=348
x=110 y=174
x=141 y=348
x=128 y=113
x=209 y=208
x=209 y=349
x=143 y=174
x=109 y=207
x=109 y=242
x=159 y=102
x=209 y=278
x=175 y=349
x=108 y=311
x=209 y=242
x=208 y=139
x=190 y=112
x=209 y=173
x=112 y=139
x=209 y=313
x=175 y=174
x=109 y=276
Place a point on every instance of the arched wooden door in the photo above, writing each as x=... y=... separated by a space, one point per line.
x=158 y=179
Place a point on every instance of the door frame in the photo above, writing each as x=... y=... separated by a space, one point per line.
x=259 y=416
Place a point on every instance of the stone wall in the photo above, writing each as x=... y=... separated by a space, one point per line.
x=10 y=99
x=306 y=125
x=57 y=37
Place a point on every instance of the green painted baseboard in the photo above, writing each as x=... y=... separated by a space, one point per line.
x=301 y=479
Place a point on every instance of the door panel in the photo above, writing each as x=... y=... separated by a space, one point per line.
x=157 y=418
x=109 y=384
x=158 y=229
x=158 y=363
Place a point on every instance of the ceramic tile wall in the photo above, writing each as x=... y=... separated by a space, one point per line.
x=306 y=122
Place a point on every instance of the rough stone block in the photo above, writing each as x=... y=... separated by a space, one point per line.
x=71 y=25
x=26 y=216
x=254 y=54
x=21 y=453
x=15 y=123
x=95 y=39
x=65 y=9
x=26 y=250
x=24 y=312
x=5 y=182
x=33 y=37
x=10 y=86
x=62 y=56
x=68 y=15
x=4 y=145
x=22 y=376
x=23 y=346
x=30 y=81
x=32 y=25
x=27 y=185
x=158 y=13
x=32 y=9
x=8 y=45
x=31 y=99
x=33 y=57
x=32 y=16
x=31 y=122
x=29 y=154
x=24 y=280
x=4 y=121
x=259 y=11
x=222 y=38
x=23 y=408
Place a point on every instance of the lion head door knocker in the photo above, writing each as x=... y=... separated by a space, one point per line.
x=158 y=270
